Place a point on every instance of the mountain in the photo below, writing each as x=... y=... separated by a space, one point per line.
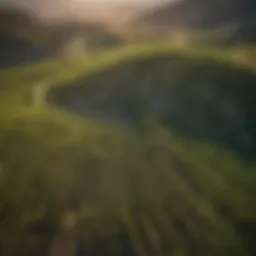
x=19 y=34
x=206 y=14
x=25 y=38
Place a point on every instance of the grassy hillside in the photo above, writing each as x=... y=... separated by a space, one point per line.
x=143 y=189
x=193 y=93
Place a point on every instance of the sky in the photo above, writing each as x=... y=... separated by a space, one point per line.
x=35 y=3
x=55 y=9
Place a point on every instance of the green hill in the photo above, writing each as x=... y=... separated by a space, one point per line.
x=207 y=97
x=142 y=185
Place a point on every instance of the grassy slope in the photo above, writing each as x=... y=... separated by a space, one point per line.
x=196 y=82
x=186 y=199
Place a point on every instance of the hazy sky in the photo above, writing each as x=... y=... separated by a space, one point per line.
x=64 y=2
x=77 y=8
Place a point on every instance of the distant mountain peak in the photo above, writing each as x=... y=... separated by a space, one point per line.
x=202 y=13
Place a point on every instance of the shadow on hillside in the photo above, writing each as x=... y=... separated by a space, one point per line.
x=119 y=245
x=205 y=98
x=14 y=52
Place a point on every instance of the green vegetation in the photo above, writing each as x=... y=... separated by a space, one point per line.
x=146 y=190
x=191 y=92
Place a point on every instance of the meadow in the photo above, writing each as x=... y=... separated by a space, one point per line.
x=143 y=150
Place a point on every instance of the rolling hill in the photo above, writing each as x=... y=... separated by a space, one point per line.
x=197 y=94
x=77 y=177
